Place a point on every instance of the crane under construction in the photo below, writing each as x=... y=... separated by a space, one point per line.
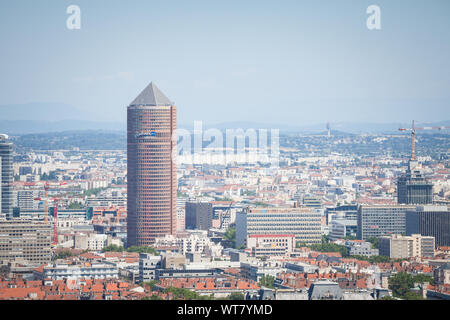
x=55 y=210
x=413 y=187
x=413 y=136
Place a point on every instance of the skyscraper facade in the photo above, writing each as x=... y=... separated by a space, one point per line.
x=413 y=187
x=151 y=162
x=430 y=220
x=379 y=220
x=7 y=178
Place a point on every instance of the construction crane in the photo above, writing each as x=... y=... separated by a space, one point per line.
x=413 y=136
x=45 y=199
x=55 y=215
x=55 y=220
x=226 y=214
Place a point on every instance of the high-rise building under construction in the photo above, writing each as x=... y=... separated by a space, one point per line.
x=413 y=187
x=151 y=165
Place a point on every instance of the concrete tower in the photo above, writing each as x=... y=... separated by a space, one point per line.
x=7 y=178
x=152 y=176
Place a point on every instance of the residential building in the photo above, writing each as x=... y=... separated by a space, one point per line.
x=399 y=247
x=198 y=215
x=442 y=275
x=80 y=271
x=271 y=245
x=148 y=264
x=360 y=248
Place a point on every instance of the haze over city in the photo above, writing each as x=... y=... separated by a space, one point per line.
x=293 y=63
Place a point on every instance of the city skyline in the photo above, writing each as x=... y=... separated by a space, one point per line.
x=303 y=154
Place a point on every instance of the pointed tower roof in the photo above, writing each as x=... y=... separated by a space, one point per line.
x=152 y=96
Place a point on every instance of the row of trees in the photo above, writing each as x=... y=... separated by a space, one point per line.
x=401 y=284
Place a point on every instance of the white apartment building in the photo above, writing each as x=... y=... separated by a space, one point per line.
x=83 y=271
x=193 y=242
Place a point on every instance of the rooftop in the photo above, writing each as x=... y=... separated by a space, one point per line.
x=151 y=96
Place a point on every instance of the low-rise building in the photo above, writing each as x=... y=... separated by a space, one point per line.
x=271 y=245
x=398 y=247
x=85 y=271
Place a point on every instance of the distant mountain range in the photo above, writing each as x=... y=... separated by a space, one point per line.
x=339 y=128
x=57 y=117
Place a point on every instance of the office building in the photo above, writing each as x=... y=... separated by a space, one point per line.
x=303 y=223
x=7 y=175
x=25 y=240
x=151 y=165
x=398 y=247
x=198 y=215
x=379 y=220
x=430 y=220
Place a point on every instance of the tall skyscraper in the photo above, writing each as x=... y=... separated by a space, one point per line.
x=7 y=177
x=152 y=176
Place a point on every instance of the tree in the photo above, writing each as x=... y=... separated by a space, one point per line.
x=421 y=278
x=375 y=242
x=183 y=293
x=230 y=235
x=152 y=297
x=143 y=249
x=113 y=248
x=75 y=205
x=63 y=254
x=400 y=284
x=151 y=284
x=236 y=296
x=373 y=259
x=410 y=295
x=267 y=281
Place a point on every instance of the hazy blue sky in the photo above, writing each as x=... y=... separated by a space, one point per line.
x=293 y=62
